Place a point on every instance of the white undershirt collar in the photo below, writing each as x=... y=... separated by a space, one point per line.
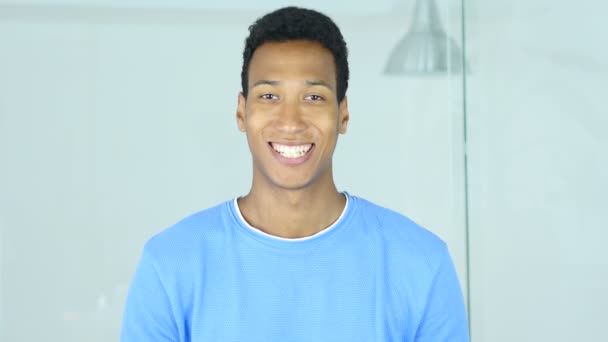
x=258 y=231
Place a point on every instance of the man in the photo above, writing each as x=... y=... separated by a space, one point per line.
x=294 y=259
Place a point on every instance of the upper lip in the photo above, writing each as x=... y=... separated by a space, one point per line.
x=290 y=143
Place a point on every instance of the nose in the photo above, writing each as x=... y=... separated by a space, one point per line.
x=290 y=119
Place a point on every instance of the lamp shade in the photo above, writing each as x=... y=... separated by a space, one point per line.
x=426 y=48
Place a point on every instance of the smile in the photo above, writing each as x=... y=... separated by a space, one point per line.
x=291 y=151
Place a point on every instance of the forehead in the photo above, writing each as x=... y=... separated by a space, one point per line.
x=292 y=59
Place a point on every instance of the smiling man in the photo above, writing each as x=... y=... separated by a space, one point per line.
x=292 y=113
x=295 y=259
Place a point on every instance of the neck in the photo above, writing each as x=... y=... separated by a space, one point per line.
x=292 y=213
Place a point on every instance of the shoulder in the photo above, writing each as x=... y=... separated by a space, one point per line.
x=189 y=235
x=400 y=233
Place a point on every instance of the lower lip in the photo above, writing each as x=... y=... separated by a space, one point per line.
x=292 y=161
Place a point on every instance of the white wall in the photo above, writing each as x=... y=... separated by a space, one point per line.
x=538 y=125
x=115 y=122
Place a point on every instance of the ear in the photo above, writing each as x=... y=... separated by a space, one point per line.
x=240 y=112
x=343 y=115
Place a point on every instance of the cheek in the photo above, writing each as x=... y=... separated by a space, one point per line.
x=255 y=122
x=257 y=132
x=329 y=124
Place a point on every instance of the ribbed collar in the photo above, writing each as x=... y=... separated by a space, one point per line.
x=295 y=243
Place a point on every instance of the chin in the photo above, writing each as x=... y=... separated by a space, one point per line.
x=291 y=186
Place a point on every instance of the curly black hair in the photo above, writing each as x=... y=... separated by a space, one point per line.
x=295 y=23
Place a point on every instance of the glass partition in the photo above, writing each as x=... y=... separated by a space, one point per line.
x=537 y=145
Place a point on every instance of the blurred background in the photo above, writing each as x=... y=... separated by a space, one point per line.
x=484 y=121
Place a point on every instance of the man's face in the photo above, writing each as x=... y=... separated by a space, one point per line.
x=291 y=115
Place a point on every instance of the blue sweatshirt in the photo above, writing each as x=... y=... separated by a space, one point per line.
x=373 y=275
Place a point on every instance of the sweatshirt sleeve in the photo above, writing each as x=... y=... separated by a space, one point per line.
x=148 y=314
x=445 y=316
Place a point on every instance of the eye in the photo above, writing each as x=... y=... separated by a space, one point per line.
x=268 y=96
x=314 y=97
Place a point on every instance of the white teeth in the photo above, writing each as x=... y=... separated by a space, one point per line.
x=291 y=151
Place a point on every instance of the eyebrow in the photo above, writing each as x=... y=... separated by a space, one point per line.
x=307 y=82
x=319 y=83
x=269 y=82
